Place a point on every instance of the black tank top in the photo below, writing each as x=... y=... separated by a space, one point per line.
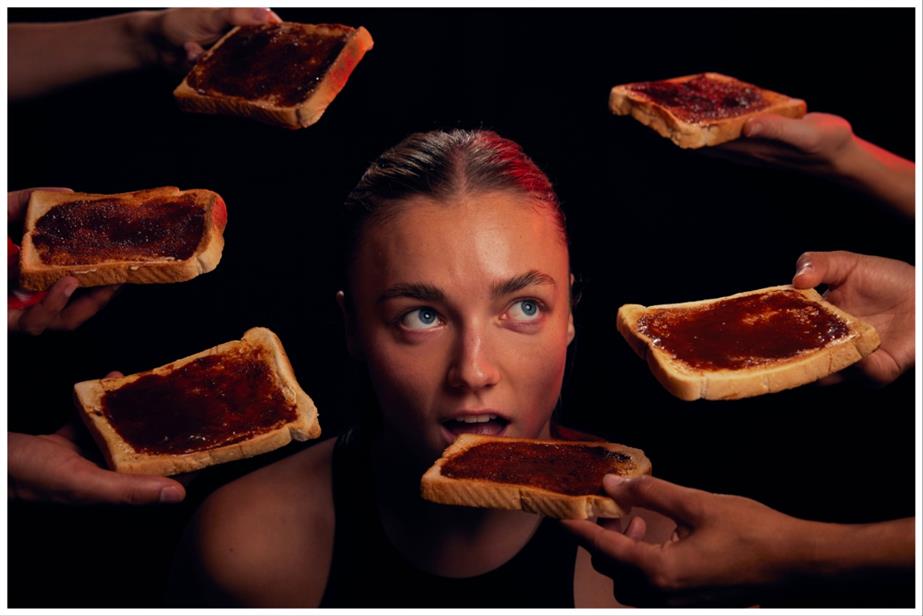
x=366 y=571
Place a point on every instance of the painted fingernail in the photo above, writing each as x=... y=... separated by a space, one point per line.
x=171 y=494
x=753 y=129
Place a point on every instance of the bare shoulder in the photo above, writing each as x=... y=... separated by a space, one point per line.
x=264 y=540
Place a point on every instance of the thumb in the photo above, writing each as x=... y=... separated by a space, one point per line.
x=682 y=505
x=830 y=268
x=220 y=20
x=794 y=132
x=103 y=486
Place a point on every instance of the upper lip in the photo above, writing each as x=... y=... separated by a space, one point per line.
x=460 y=415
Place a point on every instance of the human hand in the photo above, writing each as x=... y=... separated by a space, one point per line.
x=877 y=290
x=726 y=550
x=54 y=468
x=58 y=308
x=818 y=142
x=176 y=37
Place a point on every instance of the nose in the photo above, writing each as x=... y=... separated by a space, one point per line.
x=473 y=367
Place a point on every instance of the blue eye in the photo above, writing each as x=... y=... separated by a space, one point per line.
x=525 y=310
x=421 y=318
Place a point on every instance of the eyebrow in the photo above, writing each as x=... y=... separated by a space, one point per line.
x=518 y=283
x=418 y=291
x=429 y=293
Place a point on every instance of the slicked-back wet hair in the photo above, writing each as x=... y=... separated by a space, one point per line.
x=441 y=165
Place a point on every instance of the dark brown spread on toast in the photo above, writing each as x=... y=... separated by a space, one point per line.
x=112 y=229
x=702 y=99
x=574 y=470
x=743 y=332
x=211 y=401
x=279 y=63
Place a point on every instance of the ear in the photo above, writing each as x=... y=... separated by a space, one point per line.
x=348 y=326
x=571 y=332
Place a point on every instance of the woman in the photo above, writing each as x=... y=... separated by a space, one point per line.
x=457 y=299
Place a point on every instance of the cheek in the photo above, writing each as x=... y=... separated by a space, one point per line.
x=405 y=379
x=540 y=375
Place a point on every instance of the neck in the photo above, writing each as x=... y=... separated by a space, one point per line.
x=443 y=540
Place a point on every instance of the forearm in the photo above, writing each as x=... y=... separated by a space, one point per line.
x=837 y=550
x=884 y=175
x=43 y=57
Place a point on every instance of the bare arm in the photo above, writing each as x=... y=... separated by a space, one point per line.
x=842 y=549
x=729 y=550
x=43 y=57
x=824 y=144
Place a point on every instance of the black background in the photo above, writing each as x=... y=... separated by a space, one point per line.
x=649 y=223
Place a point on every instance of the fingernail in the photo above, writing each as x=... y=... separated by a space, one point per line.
x=262 y=14
x=171 y=494
x=70 y=288
x=610 y=481
x=805 y=267
x=753 y=129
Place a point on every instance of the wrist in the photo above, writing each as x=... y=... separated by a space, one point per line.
x=144 y=30
x=820 y=552
x=799 y=550
x=848 y=159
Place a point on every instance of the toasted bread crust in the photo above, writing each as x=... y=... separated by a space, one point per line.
x=490 y=494
x=122 y=457
x=625 y=101
x=689 y=383
x=35 y=275
x=293 y=117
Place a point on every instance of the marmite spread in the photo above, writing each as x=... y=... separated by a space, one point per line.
x=702 y=99
x=744 y=331
x=282 y=63
x=575 y=470
x=93 y=231
x=212 y=401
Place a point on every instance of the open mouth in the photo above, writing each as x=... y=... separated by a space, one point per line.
x=492 y=425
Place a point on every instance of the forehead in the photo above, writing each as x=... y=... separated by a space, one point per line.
x=469 y=240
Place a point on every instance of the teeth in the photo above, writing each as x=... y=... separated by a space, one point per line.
x=473 y=419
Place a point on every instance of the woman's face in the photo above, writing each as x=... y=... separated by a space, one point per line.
x=461 y=311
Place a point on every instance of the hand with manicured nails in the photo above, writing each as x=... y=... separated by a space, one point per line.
x=729 y=550
x=877 y=290
x=55 y=468
x=59 y=308
x=824 y=144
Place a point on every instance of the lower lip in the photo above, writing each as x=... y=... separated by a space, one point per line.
x=488 y=428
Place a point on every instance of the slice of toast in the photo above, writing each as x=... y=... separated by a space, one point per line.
x=236 y=400
x=700 y=110
x=549 y=477
x=147 y=236
x=747 y=344
x=282 y=74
